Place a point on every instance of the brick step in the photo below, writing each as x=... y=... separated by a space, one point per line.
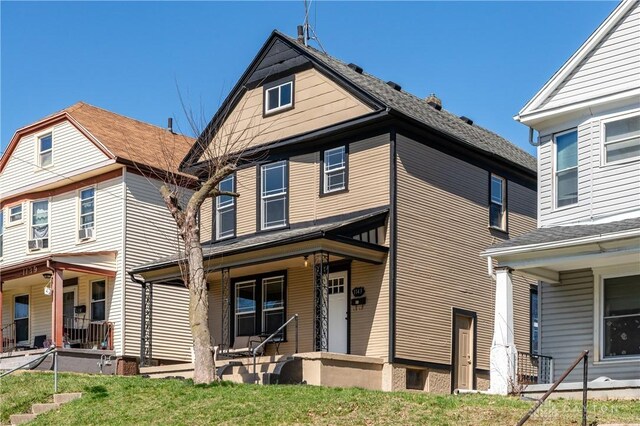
x=18 y=419
x=43 y=408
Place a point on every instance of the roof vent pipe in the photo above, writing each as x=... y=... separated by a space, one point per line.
x=300 y=34
x=170 y=124
x=434 y=101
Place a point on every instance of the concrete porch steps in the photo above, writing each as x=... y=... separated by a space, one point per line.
x=58 y=400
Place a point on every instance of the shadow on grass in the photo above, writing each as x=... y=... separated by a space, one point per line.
x=98 y=392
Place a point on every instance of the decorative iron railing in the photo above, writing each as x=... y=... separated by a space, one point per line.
x=86 y=334
x=8 y=337
x=533 y=369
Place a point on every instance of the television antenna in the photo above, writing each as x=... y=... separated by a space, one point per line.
x=308 y=32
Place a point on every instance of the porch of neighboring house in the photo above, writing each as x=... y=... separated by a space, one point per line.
x=332 y=286
x=57 y=300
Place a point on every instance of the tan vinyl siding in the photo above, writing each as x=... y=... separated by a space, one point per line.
x=170 y=332
x=442 y=229
x=246 y=181
x=318 y=102
x=206 y=220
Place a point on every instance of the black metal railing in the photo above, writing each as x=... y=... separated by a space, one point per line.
x=86 y=334
x=8 y=337
x=270 y=338
x=533 y=369
x=584 y=357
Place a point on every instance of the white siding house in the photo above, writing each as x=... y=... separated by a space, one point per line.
x=586 y=251
x=80 y=206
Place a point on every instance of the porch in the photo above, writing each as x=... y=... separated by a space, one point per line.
x=57 y=300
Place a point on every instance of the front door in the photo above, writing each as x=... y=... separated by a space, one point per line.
x=463 y=338
x=338 y=299
x=68 y=306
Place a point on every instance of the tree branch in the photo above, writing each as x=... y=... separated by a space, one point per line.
x=172 y=203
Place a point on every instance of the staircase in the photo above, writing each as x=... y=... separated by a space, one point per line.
x=58 y=400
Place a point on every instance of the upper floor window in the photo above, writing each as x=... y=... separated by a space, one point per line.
x=566 y=168
x=226 y=209
x=334 y=175
x=621 y=316
x=622 y=140
x=278 y=96
x=273 y=194
x=87 y=214
x=498 y=203
x=45 y=150
x=15 y=214
x=39 y=232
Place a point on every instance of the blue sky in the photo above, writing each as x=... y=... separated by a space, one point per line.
x=483 y=59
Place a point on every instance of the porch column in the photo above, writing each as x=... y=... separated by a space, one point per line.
x=145 y=324
x=1 y=324
x=321 y=301
x=57 y=321
x=226 y=309
x=503 y=350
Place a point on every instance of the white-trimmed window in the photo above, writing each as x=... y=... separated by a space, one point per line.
x=39 y=226
x=278 y=97
x=15 y=214
x=1 y=231
x=274 y=193
x=226 y=209
x=98 y=300
x=621 y=317
x=21 y=313
x=245 y=308
x=87 y=213
x=272 y=304
x=622 y=140
x=566 y=168
x=335 y=169
x=498 y=203
x=45 y=150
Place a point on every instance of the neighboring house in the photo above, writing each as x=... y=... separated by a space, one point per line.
x=586 y=252
x=79 y=206
x=365 y=214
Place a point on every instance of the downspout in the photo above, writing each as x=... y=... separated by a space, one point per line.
x=531 y=142
x=123 y=242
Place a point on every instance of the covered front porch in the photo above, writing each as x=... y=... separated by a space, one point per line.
x=57 y=300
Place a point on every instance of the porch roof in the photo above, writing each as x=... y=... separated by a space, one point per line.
x=336 y=229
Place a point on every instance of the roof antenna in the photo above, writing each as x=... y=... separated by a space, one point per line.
x=308 y=33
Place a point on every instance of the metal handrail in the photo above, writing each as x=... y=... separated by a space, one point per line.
x=584 y=356
x=265 y=341
x=51 y=351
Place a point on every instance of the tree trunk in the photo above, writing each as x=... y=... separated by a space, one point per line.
x=204 y=367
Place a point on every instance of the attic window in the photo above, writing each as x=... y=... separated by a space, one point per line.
x=278 y=96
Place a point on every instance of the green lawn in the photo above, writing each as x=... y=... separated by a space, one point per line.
x=135 y=400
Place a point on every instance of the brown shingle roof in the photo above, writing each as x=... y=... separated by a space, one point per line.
x=131 y=139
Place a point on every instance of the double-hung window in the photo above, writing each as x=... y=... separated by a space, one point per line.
x=566 y=168
x=98 y=300
x=533 y=320
x=226 y=209
x=273 y=194
x=45 y=150
x=87 y=213
x=39 y=229
x=621 y=316
x=622 y=140
x=498 y=203
x=245 y=324
x=259 y=305
x=15 y=214
x=334 y=174
x=272 y=304
x=278 y=97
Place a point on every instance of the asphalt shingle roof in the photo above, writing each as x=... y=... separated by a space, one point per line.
x=562 y=233
x=418 y=109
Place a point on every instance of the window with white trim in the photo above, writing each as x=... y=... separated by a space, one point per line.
x=278 y=97
x=39 y=228
x=534 y=326
x=621 y=317
x=15 y=214
x=87 y=208
x=622 y=140
x=273 y=193
x=1 y=231
x=498 y=203
x=45 y=150
x=272 y=304
x=335 y=169
x=245 y=308
x=98 y=300
x=566 y=168
x=226 y=209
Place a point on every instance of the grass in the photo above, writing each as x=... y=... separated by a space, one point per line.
x=135 y=400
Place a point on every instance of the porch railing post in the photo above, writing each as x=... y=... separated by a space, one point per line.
x=145 y=324
x=585 y=373
x=55 y=371
x=226 y=309
x=321 y=299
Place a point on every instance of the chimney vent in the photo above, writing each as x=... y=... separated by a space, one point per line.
x=434 y=101
x=394 y=85
x=466 y=120
x=170 y=124
x=356 y=68
x=300 y=34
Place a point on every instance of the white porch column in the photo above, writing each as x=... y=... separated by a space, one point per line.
x=503 y=350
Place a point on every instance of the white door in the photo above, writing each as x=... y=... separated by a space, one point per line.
x=338 y=312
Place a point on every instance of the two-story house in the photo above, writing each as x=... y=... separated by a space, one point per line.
x=586 y=250
x=363 y=209
x=79 y=206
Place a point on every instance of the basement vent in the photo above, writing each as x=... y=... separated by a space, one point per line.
x=355 y=67
x=394 y=85
x=466 y=120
